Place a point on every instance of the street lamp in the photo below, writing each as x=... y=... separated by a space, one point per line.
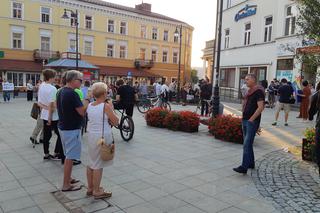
x=217 y=49
x=65 y=16
x=177 y=33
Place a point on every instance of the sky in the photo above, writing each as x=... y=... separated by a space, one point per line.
x=200 y=14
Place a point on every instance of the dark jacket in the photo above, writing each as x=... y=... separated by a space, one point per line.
x=315 y=108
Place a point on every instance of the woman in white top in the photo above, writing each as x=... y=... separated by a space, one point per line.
x=29 y=90
x=95 y=116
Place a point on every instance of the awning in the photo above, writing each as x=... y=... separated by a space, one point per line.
x=123 y=72
x=70 y=64
x=20 y=65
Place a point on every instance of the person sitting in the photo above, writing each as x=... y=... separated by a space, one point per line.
x=125 y=98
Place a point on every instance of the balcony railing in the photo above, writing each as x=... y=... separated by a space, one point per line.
x=40 y=55
x=140 y=63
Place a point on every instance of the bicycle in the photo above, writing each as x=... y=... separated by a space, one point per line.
x=210 y=107
x=147 y=103
x=126 y=126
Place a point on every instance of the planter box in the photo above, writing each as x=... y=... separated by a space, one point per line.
x=307 y=153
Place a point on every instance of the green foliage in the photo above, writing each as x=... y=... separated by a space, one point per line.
x=194 y=76
x=309 y=23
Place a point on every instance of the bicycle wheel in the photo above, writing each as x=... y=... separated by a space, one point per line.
x=143 y=106
x=126 y=128
x=166 y=105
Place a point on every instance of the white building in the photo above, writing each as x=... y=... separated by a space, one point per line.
x=259 y=36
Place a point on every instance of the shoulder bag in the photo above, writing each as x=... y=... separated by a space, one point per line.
x=35 y=111
x=106 y=150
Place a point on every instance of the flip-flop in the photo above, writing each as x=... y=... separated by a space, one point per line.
x=73 y=181
x=103 y=195
x=72 y=189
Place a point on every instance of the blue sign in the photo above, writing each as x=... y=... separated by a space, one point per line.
x=129 y=74
x=246 y=12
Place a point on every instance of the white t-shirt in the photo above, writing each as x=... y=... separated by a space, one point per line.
x=46 y=95
x=164 y=89
x=29 y=86
x=158 y=89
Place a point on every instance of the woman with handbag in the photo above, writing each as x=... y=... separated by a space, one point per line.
x=99 y=130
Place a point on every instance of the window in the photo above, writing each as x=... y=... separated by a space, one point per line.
x=123 y=51
x=45 y=15
x=175 y=58
x=34 y=77
x=72 y=45
x=16 y=78
x=143 y=32
x=268 y=29
x=290 y=21
x=17 y=10
x=166 y=35
x=154 y=55
x=247 y=34
x=165 y=56
x=123 y=28
x=226 y=38
x=142 y=53
x=175 y=38
x=17 y=40
x=227 y=78
x=228 y=3
x=73 y=19
x=88 y=22
x=154 y=33
x=111 y=26
x=87 y=47
x=110 y=51
x=45 y=43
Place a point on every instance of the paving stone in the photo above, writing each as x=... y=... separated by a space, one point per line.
x=17 y=204
x=151 y=193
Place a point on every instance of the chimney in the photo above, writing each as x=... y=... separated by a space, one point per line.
x=144 y=7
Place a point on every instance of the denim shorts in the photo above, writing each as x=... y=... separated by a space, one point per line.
x=71 y=142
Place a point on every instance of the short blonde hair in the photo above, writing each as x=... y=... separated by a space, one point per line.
x=99 y=89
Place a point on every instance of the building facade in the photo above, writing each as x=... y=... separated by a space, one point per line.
x=121 y=41
x=259 y=37
x=207 y=58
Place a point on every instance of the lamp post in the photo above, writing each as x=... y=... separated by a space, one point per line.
x=65 y=16
x=177 y=33
x=217 y=49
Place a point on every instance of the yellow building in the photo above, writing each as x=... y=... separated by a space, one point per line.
x=115 y=38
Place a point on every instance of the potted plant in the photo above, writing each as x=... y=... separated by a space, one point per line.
x=308 y=144
x=155 y=117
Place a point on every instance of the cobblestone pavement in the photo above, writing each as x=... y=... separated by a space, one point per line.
x=158 y=171
x=288 y=182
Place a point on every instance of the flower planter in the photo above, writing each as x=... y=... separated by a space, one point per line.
x=307 y=150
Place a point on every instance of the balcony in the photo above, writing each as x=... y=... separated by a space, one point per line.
x=141 y=63
x=44 y=55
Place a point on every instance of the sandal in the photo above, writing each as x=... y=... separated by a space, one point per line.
x=72 y=189
x=103 y=195
x=73 y=181
x=90 y=193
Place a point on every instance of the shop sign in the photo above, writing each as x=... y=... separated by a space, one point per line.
x=246 y=12
x=129 y=75
x=1 y=54
x=287 y=74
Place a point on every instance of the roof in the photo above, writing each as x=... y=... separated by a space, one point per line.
x=131 y=9
x=20 y=65
x=123 y=71
x=70 y=63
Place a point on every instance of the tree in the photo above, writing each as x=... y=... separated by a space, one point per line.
x=309 y=23
x=194 y=76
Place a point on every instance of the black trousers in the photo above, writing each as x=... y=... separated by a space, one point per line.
x=47 y=134
x=127 y=107
x=29 y=95
x=204 y=107
x=318 y=145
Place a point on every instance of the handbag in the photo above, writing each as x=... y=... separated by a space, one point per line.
x=106 y=150
x=35 y=111
x=292 y=100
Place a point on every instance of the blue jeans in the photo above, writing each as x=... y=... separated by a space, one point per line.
x=6 y=96
x=249 y=132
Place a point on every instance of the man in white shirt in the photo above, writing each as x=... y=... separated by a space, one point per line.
x=164 y=93
x=172 y=89
x=46 y=101
x=158 y=89
x=29 y=90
